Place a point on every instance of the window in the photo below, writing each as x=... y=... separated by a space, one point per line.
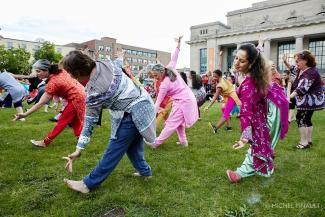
x=145 y=54
x=134 y=52
x=285 y=48
x=203 y=60
x=145 y=61
x=140 y=53
x=10 y=45
x=140 y=61
x=36 y=47
x=108 y=49
x=23 y=46
x=230 y=57
x=134 y=60
x=128 y=51
x=129 y=59
x=203 y=31
x=317 y=47
x=100 y=48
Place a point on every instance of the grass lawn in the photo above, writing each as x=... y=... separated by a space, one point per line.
x=187 y=181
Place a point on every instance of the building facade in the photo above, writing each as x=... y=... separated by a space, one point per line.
x=31 y=46
x=138 y=58
x=289 y=26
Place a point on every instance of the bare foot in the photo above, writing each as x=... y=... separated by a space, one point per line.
x=77 y=186
x=38 y=143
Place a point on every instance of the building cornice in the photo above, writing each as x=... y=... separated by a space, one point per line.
x=259 y=28
x=260 y=6
x=210 y=24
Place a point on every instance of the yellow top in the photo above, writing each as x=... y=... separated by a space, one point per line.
x=228 y=89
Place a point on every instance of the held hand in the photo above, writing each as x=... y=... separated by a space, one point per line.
x=239 y=144
x=220 y=53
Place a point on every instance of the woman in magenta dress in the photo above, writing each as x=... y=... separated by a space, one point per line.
x=258 y=95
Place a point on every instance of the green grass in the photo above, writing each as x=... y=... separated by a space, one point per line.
x=187 y=181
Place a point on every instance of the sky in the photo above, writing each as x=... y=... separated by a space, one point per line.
x=149 y=24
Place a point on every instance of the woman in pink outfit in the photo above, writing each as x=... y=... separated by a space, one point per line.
x=184 y=109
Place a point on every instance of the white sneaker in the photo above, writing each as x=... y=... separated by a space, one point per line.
x=22 y=119
x=137 y=174
x=38 y=143
x=77 y=186
x=152 y=145
x=185 y=144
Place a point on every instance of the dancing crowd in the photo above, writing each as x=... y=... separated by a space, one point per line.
x=263 y=99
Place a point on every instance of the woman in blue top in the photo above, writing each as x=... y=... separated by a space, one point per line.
x=15 y=89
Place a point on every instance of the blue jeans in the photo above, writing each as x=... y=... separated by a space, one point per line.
x=128 y=141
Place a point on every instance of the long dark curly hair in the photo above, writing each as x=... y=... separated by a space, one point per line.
x=258 y=67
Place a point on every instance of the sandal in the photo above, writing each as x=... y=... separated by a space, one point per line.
x=300 y=146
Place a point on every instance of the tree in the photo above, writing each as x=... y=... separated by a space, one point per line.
x=47 y=51
x=15 y=60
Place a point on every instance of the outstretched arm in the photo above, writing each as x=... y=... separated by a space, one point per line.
x=173 y=61
x=44 y=99
x=215 y=97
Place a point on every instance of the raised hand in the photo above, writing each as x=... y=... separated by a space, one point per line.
x=285 y=57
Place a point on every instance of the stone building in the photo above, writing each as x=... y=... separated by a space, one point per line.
x=289 y=26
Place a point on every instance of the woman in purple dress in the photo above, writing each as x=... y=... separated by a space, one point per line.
x=308 y=94
x=263 y=114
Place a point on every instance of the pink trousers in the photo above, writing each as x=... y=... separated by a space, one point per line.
x=226 y=110
x=175 y=122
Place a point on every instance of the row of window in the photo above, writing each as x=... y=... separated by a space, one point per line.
x=203 y=31
x=140 y=53
x=24 y=46
x=106 y=48
x=142 y=61
x=128 y=51
x=317 y=47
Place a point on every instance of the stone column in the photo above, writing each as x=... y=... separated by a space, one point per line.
x=218 y=49
x=211 y=54
x=267 y=48
x=299 y=43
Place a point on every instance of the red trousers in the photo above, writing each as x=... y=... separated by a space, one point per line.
x=69 y=116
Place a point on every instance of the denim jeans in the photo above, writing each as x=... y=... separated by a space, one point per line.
x=128 y=141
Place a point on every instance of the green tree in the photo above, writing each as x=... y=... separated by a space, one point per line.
x=47 y=51
x=15 y=60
